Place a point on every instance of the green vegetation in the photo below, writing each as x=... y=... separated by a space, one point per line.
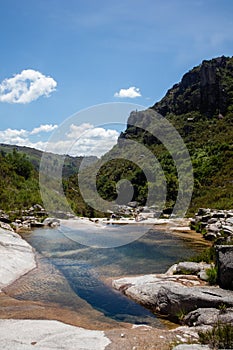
x=208 y=255
x=220 y=337
x=18 y=182
x=181 y=315
x=212 y=275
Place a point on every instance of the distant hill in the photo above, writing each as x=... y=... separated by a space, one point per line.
x=19 y=177
x=71 y=164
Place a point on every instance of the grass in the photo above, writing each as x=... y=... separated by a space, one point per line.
x=212 y=275
x=208 y=255
x=220 y=337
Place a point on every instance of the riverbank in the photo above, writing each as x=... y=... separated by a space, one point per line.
x=118 y=333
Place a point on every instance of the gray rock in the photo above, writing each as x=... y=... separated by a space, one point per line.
x=227 y=229
x=51 y=222
x=229 y=221
x=202 y=316
x=205 y=218
x=225 y=266
x=192 y=268
x=203 y=211
x=209 y=316
x=212 y=221
x=4 y=217
x=169 y=295
x=145 y=289
x=6 y=226
x=214 y=227
x=210 y=236
x=172 y=298
x=203 y=275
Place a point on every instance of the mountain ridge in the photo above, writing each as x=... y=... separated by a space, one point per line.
x=206 y=88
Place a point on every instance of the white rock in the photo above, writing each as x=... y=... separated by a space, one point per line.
x=48 y=335
x=16 y=257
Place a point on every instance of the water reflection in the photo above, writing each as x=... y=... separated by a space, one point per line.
x=86 y=268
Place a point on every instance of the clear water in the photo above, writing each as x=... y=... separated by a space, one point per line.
x=87 y=268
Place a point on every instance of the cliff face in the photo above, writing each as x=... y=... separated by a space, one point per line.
x=207 y=89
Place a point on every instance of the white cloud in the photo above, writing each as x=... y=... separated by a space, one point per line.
x=26 y=87
x=80 y=140
x=12 y=133
x=22 y=137
x=86 y=139
x=77 y=130
x=43 y=128
x=131 y=92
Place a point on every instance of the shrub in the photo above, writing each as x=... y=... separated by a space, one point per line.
x=220 y=337
x=208 y=255
x=212 y=275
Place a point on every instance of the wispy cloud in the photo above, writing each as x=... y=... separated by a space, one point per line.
x=131 y=92
x=26 y=87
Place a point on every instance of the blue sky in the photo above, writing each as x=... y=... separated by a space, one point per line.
x=59 y=57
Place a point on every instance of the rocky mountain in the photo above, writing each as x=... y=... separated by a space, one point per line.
x=207 y=89
x=200 y=107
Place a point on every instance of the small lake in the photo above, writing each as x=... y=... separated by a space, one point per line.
x=86 y=268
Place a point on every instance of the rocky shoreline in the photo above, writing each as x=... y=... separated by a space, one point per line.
x=183 y=293
x=27 y=219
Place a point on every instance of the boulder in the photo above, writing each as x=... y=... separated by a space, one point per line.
x=145 y=289
x=191 y=268
x=229 y=221
x=172 y=298
x=212 y=221
x=16 y=256
x=49 y=335
x=227 y=229
x=210 y=236
x=51 y=222
x=169 y=295
x=209 y=316
x=225 y=266
x=203 y=211
x=4 y=217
